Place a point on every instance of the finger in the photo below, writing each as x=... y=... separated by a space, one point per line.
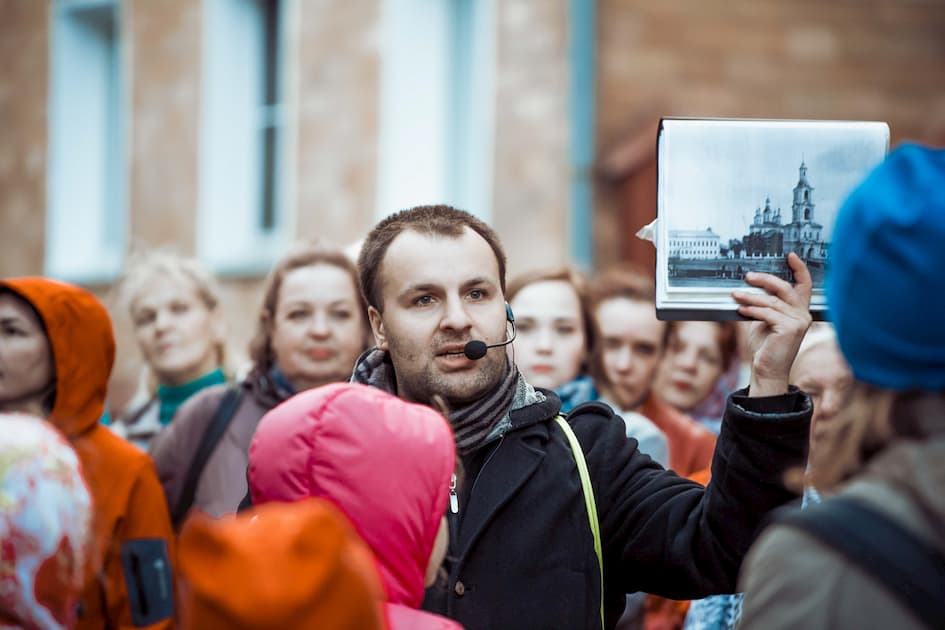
x=790 y=322
x=775 y=286
x=797 y=294
x=802 y=277
x=766 y=300
x=772 y=318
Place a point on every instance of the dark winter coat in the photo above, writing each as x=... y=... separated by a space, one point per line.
x=521 y=552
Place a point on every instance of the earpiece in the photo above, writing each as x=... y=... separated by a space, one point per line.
x=508 y=313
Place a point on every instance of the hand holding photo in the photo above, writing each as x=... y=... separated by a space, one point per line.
x=783 y=316
x=735 y=197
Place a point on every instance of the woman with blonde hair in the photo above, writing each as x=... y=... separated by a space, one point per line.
x=311 y=328
x=175 y=309
x=871 y=555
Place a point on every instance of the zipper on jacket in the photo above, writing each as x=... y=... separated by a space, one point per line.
x=454 y=501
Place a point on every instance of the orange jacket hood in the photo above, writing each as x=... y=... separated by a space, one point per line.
x=83 y=346
x=280 y=565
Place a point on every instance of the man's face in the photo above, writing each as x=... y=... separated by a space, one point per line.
x=631 y=341
x=439 y=293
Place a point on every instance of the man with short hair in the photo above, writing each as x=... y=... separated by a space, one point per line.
x=522 y=551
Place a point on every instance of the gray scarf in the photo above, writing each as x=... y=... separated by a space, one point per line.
x=472 y=423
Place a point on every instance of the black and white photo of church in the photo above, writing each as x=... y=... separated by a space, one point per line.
x=701 y=254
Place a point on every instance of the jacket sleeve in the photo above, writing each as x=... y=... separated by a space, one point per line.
x=669 y=536
x=145 y=521
x=174 y=448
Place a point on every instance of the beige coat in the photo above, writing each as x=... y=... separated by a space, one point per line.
x=223 y=483
x=792 y=580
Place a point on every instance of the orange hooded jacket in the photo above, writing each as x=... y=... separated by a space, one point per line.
x=277 y=566
x=128 y=503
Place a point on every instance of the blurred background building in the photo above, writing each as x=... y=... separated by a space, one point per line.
x=229 y=129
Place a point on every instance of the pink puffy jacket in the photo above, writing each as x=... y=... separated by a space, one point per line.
x=386 y=463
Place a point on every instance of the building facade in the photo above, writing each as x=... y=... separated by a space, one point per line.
x=694 y=244
x=228 y=129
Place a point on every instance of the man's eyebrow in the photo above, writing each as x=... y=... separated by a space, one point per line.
x=479 y=280
x=419 y=288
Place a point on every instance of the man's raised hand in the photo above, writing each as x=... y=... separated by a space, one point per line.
x=783 y=314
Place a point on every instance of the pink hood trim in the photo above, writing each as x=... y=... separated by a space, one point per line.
x=384 y=462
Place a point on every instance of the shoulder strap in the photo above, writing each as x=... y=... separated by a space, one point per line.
x=907 y=567
x=589 y=501
x=211 y=437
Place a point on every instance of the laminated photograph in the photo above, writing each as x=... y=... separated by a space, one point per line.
x=735 y=196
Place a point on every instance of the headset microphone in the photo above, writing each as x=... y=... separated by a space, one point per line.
x=476 y=349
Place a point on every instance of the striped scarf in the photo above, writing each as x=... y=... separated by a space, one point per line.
x=472 y=423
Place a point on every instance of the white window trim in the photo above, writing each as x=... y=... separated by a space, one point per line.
x=230 y=236
x=437 y=105
x=86 y=184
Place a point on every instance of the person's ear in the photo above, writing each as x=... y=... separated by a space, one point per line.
x=377 y=327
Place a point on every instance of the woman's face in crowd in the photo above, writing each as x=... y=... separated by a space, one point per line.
x=631 y=340
x=178 y=334
x=318 y=326
x=692 y=366
x=550 y=344
x=26 y=361
x=823 y=373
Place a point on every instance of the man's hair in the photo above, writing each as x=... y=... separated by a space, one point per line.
x=622 y=281
x=438 y=220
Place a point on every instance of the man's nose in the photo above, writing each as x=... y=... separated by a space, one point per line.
x=455 y=316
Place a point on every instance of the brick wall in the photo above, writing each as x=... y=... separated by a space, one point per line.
x=532 y=179
x=162 y=53
x=24 y=83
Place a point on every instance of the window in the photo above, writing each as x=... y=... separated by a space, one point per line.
x=241 y=224
x=85 y=216
x=437 y=104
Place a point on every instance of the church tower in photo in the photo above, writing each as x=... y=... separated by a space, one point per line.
x=802 y=234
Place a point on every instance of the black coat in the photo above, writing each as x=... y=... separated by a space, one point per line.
x=521 y=551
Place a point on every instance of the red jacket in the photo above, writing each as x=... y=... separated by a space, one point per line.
x=691 y=445
x=128 y=503
x=384 y=462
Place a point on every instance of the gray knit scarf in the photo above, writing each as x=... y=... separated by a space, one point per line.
x=472 y=423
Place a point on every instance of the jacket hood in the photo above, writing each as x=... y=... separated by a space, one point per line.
x=83 y=346
x=45 y=525
x=384 y=462
x=308 y=569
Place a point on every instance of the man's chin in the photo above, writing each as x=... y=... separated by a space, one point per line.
x=459 y=388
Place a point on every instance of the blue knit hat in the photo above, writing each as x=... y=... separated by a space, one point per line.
x=885 y=282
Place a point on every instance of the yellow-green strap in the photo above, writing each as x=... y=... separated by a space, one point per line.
x=589 y=502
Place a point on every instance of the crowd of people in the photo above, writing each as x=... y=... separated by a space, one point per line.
x=419 y=443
